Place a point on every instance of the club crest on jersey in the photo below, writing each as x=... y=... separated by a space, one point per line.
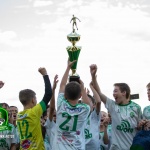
x=26 y=144
x=124 y=127
x=132 y=114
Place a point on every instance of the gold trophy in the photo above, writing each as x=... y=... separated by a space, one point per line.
x=73 y=51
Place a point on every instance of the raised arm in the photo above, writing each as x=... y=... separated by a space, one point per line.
x=85 y=98
x=65 y=76
x=78 y=19
x=48 y=90
x=93 y=70
x=52 y=103
x=97 y=98
x=105 y=137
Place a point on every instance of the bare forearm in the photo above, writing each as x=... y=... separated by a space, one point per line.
x=105 y=137
x=97 y=88
x=13 y=146
x=64 y=79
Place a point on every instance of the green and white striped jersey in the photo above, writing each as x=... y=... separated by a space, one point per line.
x=8 y=137
x=92 y=131
x=124 y=122
x=146 y=113
x=50 y=132
x=70 y=124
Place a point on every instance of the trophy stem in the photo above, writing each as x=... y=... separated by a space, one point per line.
x=73 y=71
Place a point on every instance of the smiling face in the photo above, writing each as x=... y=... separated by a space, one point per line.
x=119 y=96
x=103 y=116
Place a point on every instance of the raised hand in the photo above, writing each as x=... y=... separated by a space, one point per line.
x=106 y=122
x=42 y=70
x=55 y=82
x=93 y=69
x=71 y=63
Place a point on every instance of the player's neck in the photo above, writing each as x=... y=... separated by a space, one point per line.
x=73 y=102
x=125 y=102
x=28 y=107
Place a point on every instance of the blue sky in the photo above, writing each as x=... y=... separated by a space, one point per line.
x=114 y=34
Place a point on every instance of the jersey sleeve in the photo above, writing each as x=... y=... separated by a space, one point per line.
x=39 y=109
x=140 y=115
x=15 y=136
x=109 y=105
x=60 y=99
x=144 y=113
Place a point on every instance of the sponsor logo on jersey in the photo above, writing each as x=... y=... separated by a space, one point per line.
x=73 y=110
x=78 y=132
x=26 y=144
x=20 y=116
x=87 y=133
x=125 y=127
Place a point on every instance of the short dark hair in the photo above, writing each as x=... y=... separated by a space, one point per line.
x=4 y=104
x=13 y=106
x=72 y=90
x=25 y=96
x=148 y=85
x=124 y=88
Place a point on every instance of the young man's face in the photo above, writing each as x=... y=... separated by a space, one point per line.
x=103 y=116
x=14 y=111
x=148 y=93
x=118 y=95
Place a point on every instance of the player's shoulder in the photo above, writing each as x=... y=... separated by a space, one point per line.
x=146 y=107
x=134 y=105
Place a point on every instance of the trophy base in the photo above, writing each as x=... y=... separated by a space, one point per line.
x=74 y=78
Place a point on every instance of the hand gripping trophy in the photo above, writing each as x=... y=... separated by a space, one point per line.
x=73 y=51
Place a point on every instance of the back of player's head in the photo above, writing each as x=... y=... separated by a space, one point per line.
x=25 y=96
x=73 y=90
x=148 y=85
x=124 y=88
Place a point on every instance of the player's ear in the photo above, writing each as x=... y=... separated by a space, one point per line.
x=80 y=95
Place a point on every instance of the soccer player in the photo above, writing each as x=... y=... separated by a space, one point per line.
x=28 y=120
x=105 y=131
x=125 y=114
x=71 y=116
x=93 y=122
x=50 y=124
x=7 y=132
x=146 y=111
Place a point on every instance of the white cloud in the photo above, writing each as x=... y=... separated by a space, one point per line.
x=7 y=36
x=45 y=12
x=41 y=3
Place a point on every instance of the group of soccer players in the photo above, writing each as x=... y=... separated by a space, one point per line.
x=76 y=122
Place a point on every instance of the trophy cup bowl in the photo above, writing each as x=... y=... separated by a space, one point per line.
x=73 y=52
